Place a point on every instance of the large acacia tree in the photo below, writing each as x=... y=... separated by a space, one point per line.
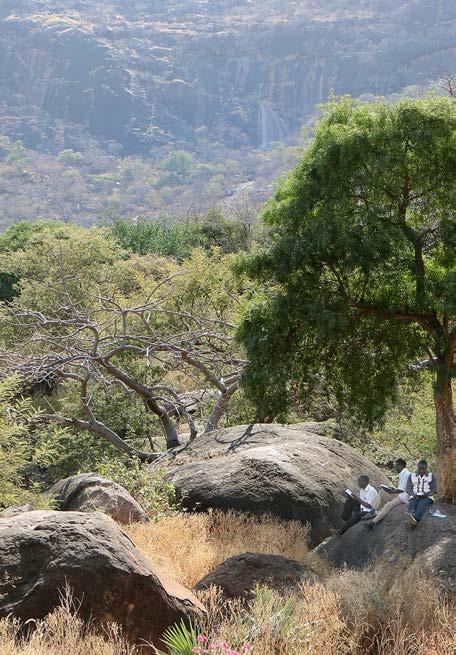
x=359 y=284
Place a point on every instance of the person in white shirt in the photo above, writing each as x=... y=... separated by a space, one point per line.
x=401 y=497
x=421 y=487
x=360 y=507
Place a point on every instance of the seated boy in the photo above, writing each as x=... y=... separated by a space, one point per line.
x=401 y=497
x=421 y=486
x=360 y=507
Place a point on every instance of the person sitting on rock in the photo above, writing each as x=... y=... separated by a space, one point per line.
x=401 y=497
x=359 y=507
x=421 y=487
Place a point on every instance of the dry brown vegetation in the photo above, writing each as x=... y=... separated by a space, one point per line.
x=61 y=633
x=383 y=611
x=188 y=546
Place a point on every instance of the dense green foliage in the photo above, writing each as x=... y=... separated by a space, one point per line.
x=17 y=449
x=178 y=240
x=338 y=250
x=178 y=318
x=13 y=239
x=360 y=278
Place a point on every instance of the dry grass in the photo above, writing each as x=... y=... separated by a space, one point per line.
x=188 y=546
x=375 y=612
x=382 y=611
x=61 y=633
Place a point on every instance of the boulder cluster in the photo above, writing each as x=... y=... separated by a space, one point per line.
x=292 y=472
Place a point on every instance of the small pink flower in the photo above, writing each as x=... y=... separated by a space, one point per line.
x=247 y=647
x=197 y=650
x=201 y=638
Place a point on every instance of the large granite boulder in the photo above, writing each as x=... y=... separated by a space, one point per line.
x=431 y=545
x=43 y=552
x=238 y=576
x=291 y=471
x=90 y=492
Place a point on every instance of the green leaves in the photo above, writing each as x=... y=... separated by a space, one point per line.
x=180 y=639
x=361 y=267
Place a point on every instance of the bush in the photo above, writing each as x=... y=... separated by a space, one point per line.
x=69 y=157
x=16 y=451
x=144 y=237
x=146 y=484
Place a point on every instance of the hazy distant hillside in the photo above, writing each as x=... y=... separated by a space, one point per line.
x=135 y=75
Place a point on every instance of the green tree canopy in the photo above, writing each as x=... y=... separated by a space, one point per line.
x=15 y=238
x=360 y=279
x=178 y=166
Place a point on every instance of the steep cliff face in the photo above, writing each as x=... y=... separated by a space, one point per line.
x=136 y=74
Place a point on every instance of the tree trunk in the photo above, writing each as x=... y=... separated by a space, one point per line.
x=445 y=419
x=172 y=440
x=220 y=408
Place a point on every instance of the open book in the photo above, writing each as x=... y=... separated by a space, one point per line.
x=387 y=487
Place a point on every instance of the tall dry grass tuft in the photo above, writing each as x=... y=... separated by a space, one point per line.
x=61 y=633
x=188 y=546
x=377 y=612
x=447 y=477
x=301 y=623
x=384 y=610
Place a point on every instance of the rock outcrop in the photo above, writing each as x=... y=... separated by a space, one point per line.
x=136 y=74
x=431 y=545
x=289 y=471
x=89 y=492
x=44 y=552
x=238 y=576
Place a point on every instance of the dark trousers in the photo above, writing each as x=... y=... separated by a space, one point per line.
x=418 y=507
x=351 y=514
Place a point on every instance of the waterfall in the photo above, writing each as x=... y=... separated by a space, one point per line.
x=271 y=125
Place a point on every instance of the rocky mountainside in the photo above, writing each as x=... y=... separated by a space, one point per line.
x=135 y=74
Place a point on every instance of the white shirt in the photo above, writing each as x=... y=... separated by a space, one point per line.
x=402 y=485
x=370 y=495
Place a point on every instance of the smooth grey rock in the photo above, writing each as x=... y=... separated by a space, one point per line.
x=431 y=545
x=289 y=471
x=43 y=552
x=14 y=510
x=237 y=576
x=90 y=492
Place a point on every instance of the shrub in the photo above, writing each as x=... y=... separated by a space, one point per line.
x=70 y=157
x=16 y=450
x=146 y=484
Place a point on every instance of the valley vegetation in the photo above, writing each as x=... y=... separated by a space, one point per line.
x=122 y=341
